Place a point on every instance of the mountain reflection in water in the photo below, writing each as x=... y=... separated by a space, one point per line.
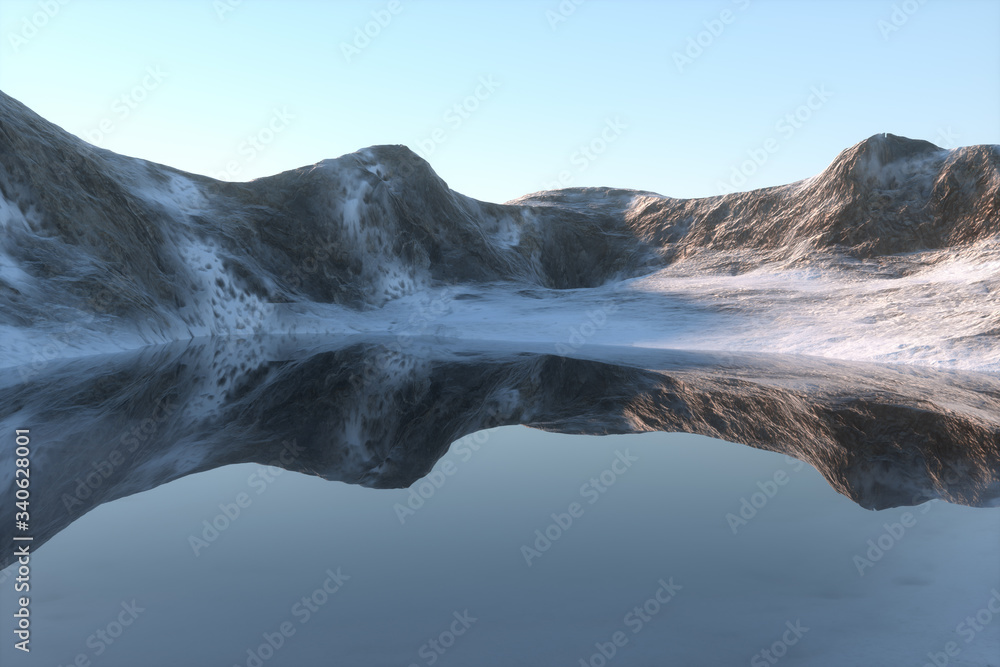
x=381 y=412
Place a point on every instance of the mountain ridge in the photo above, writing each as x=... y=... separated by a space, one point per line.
x=95 y=237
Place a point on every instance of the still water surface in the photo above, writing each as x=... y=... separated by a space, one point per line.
x=657 y=567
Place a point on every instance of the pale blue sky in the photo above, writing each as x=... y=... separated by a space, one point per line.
x=609 y=68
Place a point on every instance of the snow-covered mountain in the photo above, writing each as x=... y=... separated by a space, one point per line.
x=890 y=254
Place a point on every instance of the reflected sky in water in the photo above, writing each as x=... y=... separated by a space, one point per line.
x=738 y=588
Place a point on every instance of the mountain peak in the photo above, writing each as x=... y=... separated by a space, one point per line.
x=870 y=160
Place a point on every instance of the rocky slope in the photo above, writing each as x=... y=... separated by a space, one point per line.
x=94 y=240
